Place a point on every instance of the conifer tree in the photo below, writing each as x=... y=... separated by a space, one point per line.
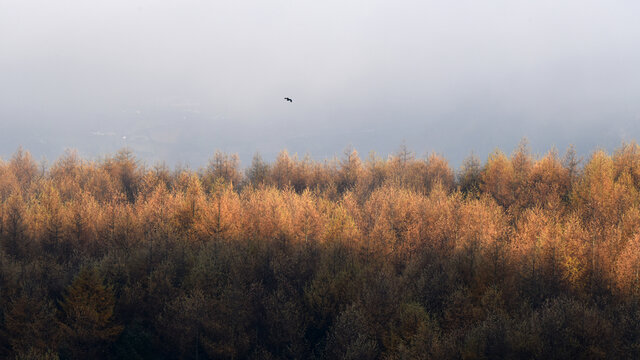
x=87 y=316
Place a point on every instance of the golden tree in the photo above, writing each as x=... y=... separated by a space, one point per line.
x=23 y=167
x=549 y=182
x=87 y=315
x=628 y=269
x=350 y=169
x=438 y=171
x=14 y=225
x=282 y=170
x=223 y=166
x=31 y=326
x=499 y=178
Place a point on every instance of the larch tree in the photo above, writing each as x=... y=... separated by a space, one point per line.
x=87 y=315
x=258 y=172
x=14 y=226
x=499 y=178
x=282 y=170
x=350 y=169
x=31 y=326
x=469 y=176
x=23 y=167
x=223 y=166
x=438 y=171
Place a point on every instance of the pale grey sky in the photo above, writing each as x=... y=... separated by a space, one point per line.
x=182 y=78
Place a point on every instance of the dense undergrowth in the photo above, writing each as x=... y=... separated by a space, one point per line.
x=518 y=256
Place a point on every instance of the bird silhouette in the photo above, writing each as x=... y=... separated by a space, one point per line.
x=288 y=99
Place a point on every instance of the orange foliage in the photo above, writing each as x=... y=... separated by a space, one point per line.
x=498 y=179
x=337 y=238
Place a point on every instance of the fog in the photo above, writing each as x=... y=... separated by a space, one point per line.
x=176 y=80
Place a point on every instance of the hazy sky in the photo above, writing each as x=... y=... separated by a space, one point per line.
x=180 y=79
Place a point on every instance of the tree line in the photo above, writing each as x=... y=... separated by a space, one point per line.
x=517 y=256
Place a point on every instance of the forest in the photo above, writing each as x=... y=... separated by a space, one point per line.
x=518 y=256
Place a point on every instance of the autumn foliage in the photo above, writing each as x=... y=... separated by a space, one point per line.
x=519 y=256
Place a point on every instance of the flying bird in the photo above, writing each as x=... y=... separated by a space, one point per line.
x=288 y=99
